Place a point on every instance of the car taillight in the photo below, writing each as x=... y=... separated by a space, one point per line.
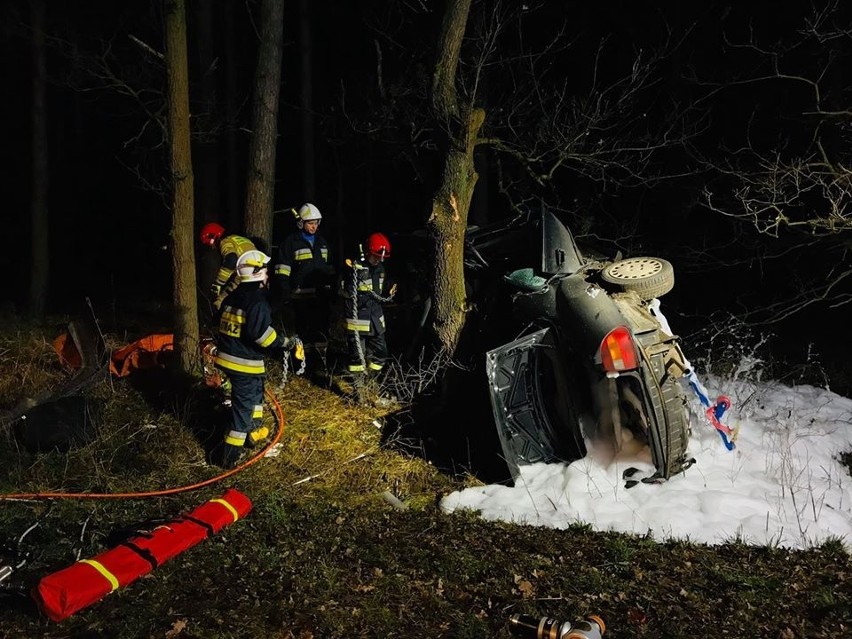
x=618 y=352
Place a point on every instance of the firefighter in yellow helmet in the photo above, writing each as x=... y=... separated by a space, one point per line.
x=245 y=334
x=230 y=248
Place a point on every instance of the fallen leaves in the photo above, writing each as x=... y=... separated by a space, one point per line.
x=177 y=627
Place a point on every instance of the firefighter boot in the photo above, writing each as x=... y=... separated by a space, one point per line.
x=257 y=437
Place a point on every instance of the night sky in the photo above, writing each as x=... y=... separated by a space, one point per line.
x=109 y=228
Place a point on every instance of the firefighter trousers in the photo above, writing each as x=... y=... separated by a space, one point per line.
x=246 y=412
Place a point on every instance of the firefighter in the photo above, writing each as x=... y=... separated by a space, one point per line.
x=230 y=247
x=303 y=278
x=245 y=334
x=363 y=288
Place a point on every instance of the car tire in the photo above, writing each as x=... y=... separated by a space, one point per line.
x=649 y=277
x=669 y=445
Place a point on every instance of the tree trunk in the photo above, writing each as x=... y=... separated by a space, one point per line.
x=260 y=188
x=210 y=189
x=447 y=224
x=40 y=250
x=451 y=202
x=182 y=236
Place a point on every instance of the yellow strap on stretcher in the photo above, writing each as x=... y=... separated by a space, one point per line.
x=103 y=570
x=228 y=506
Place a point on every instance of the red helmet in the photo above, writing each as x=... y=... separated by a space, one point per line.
x=211 y=233
x=378 y=245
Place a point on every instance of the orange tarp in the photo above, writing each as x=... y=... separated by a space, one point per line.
x=151 y=351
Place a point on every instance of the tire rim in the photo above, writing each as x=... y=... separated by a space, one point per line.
x=636 y=268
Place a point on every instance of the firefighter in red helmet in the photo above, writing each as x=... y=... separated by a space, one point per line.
x=363 y=288
x=230 y=247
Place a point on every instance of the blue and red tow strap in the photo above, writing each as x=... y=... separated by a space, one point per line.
x=715 y=411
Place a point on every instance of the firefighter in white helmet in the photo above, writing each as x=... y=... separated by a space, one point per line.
x=245 y=334
x=304 y=276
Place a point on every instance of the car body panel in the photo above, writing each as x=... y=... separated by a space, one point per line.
x=559 y=250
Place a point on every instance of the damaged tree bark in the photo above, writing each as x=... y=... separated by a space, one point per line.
x=460 y=125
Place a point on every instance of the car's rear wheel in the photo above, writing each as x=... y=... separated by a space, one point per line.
x=649 y=277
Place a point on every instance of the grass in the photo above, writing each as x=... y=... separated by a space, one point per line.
x=324 y=555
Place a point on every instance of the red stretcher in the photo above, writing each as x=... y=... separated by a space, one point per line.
x=61 y=594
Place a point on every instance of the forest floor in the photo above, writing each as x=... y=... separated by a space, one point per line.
x=345 y=536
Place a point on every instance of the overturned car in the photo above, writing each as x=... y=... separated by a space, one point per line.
x=576 y=348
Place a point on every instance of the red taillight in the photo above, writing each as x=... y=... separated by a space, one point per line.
x=618 y=352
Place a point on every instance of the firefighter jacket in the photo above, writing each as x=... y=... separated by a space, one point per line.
x=363 y=289
x=230 y=247
x=245 y=331
x=301 y=267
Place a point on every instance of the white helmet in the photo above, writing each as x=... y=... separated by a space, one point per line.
x=251 y=266
x=308 y=212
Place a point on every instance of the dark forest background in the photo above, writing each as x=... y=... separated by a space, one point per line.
x=744 y=112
